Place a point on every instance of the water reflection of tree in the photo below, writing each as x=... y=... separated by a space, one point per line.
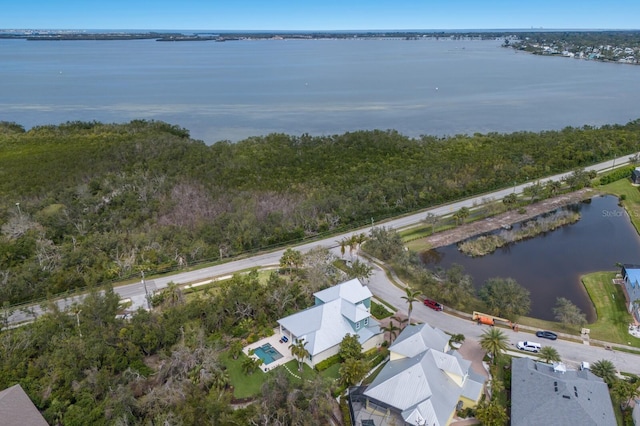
x=431 y=257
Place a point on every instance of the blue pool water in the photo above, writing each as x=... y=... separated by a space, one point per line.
x=267 y=353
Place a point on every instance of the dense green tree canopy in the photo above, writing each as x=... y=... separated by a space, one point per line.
x=88 y=203
x=505 y=297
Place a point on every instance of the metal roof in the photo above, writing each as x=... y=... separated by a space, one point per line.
x=415 y=339
x=352 y=291
x=421 y=386
x=325 y=325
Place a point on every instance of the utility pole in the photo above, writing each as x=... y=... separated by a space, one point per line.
x=146 y=292
x=78 y=321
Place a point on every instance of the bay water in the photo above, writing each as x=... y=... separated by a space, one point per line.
x=237 y=89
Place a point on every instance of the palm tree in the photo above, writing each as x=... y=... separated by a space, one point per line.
x=461 y=215
x=606 y=370
x=343 y=247
x=391 y=329
x=352 y=242
x=360 y=239
x=352 y=371
x=291 y=259
x=401 y=321
x=494 y=341
x=299 y=351
x=626 y=391
x=411 y=296
x=249 y=365
x=549 y=354
x=174 y=295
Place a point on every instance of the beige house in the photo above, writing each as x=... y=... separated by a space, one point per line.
x=424 y=382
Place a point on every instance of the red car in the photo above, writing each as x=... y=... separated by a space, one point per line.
x=433 y=304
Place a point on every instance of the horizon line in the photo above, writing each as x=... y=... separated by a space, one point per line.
x=534 y=29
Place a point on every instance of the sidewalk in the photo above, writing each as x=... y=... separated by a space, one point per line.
x=386 y=285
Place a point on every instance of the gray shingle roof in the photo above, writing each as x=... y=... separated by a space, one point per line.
x=16 y=409
x=540 y=395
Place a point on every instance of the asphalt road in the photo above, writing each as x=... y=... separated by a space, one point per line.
x=379 y=284
x=572 y=353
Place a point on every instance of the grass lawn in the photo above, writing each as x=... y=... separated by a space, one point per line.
x=243 y=386
x=550 y=325
x=307 y=372
x=632 y=201
x=332 y=372
x=613 y=319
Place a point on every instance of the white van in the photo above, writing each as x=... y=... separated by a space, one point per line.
x=529 y=346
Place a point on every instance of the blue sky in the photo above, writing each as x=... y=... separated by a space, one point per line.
x=319 y=15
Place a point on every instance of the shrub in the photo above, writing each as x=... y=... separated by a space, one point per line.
x=466 y=413
x=379 y=311
x=344 y=409
x=332 y=360
x=622 y=173
x=457 y=338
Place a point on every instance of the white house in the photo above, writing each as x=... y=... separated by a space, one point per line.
x=339 y=310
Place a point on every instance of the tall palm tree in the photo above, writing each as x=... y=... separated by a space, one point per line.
x=401 y=321
x=549 y=354
x=360 y=239
x=494 y=341
x=392 y=330
x=410 y=297
x=343 y=247
x=606 y=370
x=299 y=351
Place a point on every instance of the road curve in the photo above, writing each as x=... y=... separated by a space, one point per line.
x=139 y=290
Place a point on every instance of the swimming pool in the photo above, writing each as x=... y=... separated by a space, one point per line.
x=267 y=353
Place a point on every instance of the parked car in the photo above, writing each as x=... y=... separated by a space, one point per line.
x=547 y=335
x=433 y=304
x=584 y=366
x=529 y=346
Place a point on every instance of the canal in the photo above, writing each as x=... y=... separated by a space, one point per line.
x=550 y=265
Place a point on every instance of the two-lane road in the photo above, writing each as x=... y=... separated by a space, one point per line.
x=137 y=291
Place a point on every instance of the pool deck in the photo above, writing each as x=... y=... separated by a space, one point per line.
x=274 y=340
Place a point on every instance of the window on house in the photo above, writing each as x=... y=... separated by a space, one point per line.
x=366 y=321
x=358 y=325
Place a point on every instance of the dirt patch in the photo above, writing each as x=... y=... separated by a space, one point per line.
x=507 y=219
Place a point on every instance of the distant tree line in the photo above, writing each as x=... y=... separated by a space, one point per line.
x=85 y=203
